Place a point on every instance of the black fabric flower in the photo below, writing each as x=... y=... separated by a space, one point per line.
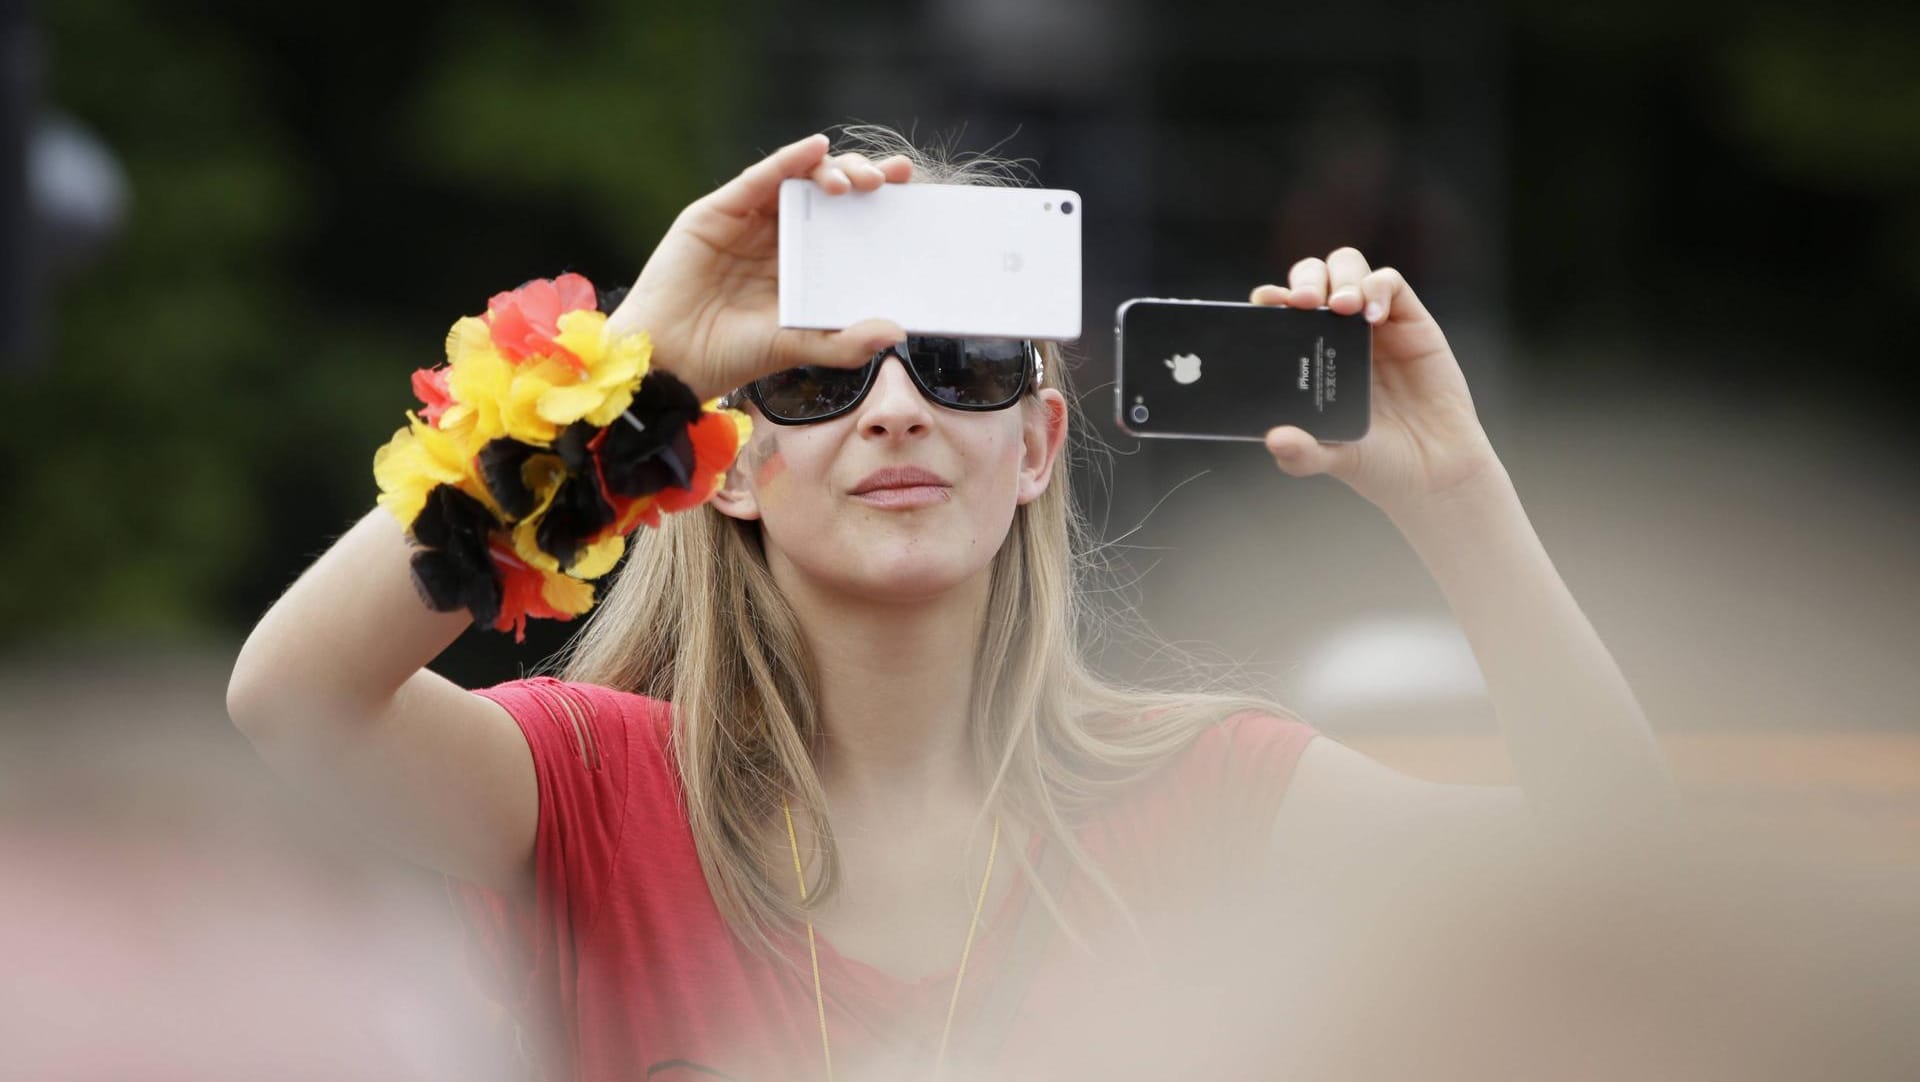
x=648 y=448
x=500 y=468
x=579 y=511
x=573 y=446
x=452 y=570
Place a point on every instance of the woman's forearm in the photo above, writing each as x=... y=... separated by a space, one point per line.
x=1578 y=739
x=345 y=636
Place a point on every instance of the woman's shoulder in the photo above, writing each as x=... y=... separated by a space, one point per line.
x=1233 y=754
x=1254 y=734
x=1209 y=738
x=577 y=694
x=1205 y=808
x=593 y=720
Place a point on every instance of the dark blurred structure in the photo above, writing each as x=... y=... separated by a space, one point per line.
x=1215 y=144
x=62 y=196
x=20 y=305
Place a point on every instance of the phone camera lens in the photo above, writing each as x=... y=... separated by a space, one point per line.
x=1139 y=415
x=1066 y=206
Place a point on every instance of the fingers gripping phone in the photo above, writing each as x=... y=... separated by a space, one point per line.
x=1221 y=370
x=938 y=259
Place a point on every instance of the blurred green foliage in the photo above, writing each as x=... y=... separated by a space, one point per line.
x=317 y=194
x=1834 y=103
x=1736 y=184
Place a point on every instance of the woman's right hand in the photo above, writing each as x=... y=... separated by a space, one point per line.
x=709 y=295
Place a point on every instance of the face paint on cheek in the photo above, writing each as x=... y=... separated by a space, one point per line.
x=767 y=463
x=772 y=469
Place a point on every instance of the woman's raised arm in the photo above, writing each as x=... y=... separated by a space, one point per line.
x=332 y=686
x=1580 y=746
x=333 y=691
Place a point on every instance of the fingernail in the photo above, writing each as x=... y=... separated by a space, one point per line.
x=1343 y=293
x=1375 y=310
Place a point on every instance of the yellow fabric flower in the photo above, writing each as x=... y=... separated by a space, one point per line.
x=613 y=368
x=566 y=594
x=479 y=379
x=597 y=559
x=532 y=401
x=417 y=458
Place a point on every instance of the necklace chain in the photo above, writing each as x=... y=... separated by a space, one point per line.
x=813 y=951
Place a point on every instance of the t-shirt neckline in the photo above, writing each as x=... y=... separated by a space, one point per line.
x=863 y=982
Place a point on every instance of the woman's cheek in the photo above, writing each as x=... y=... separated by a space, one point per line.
x=772 y=471
x=764 y=465
x=1010 y=465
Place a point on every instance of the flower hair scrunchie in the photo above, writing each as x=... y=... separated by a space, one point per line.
x=544 y=441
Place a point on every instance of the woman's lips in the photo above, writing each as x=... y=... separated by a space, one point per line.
x=903 y=488
x=905 y=498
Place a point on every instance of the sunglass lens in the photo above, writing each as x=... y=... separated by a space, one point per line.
x=972 y=372
x=809 y=391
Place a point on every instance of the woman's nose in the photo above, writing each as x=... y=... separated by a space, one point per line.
x=895 y=404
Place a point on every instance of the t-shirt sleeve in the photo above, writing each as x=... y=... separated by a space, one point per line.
x=1243 y=767
x=1202 y=821
x=582 y=738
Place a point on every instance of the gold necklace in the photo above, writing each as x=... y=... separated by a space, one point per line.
x=813 y=953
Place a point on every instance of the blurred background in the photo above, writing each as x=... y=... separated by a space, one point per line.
x=1676 y=247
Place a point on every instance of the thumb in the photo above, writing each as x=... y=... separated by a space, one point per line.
x=846 y=348
x=1300 y=455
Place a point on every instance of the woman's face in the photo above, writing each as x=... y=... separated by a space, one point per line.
x=899 y=499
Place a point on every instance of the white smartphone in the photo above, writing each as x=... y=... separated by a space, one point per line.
x=938 y=259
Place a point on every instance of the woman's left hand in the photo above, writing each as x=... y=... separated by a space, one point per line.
x=1425 y=442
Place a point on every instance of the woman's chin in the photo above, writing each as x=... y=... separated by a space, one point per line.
x=910 y=568
x=905 y=579
x=906 y=589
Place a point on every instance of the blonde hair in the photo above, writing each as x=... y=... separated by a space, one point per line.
x=696 y=618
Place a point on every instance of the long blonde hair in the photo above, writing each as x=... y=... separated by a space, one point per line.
x=695 y=618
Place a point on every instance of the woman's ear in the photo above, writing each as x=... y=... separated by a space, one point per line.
x=737 y=499
x=1043 y=434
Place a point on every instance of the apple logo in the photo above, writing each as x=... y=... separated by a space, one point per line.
x=1186 y=367
x=1011 y=261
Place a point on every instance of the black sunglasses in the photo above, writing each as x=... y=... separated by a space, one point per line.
x=958 y=373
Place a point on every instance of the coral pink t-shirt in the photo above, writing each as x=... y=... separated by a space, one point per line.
x=623 y=968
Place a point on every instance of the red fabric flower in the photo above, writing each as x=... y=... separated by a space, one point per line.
x=430 y=385
x=525 y=320
x=631 y=513
x=715 y=443
x=521 y=593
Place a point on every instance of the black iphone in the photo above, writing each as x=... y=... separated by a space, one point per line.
x=1221 y=370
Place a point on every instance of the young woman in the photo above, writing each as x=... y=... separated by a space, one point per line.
x=890 y=809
